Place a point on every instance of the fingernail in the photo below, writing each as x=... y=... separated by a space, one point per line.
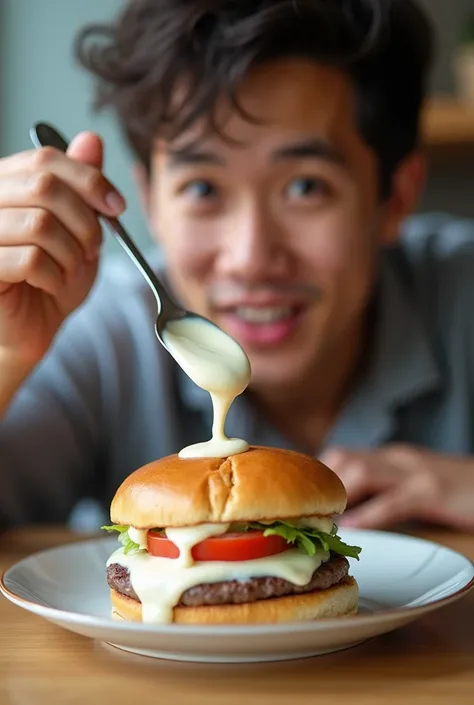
x=115 y=202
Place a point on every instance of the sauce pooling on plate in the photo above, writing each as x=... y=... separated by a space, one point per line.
x=216 y=363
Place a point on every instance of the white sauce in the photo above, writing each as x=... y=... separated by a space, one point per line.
x=139 y=536
x=324 y=524
x=216 y=363
x=188 y=536
x=160 y=582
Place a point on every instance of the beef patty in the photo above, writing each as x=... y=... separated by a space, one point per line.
x=236 y=591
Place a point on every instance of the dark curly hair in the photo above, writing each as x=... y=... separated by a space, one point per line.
x=208 y=47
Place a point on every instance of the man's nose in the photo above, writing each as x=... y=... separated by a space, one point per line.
x=254 y=246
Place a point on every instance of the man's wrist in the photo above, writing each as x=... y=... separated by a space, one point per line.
x=13 y=373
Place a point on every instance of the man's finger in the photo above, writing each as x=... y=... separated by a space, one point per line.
x=380 y=512
x=361 y=473
x=88 y=148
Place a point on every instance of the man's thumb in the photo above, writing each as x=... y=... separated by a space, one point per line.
x=87 y=148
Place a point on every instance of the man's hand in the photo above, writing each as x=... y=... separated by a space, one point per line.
x=50 y=239
x=399 y=483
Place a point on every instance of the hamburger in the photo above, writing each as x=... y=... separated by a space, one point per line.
x=247 y=539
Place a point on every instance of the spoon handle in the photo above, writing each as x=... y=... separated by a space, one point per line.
x=44 y=135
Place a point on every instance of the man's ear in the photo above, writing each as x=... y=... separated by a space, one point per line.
x=408 y=184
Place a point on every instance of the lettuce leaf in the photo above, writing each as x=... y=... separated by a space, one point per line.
x=305 y=538
x=309 y=539
x=123 y=537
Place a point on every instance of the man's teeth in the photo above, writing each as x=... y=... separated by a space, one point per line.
x=263 y=315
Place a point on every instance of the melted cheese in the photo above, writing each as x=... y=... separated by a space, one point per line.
x=188 y=536
x=324 y=524
x=160 y=582
x=139 y=536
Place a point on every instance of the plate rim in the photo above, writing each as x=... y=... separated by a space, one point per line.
x=385 y=614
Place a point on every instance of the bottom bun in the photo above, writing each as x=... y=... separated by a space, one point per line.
x=336 y=601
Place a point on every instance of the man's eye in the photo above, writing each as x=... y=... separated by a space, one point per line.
x=200 y=189
x=306 y=187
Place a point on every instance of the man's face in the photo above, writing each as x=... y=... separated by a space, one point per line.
x=273 y=233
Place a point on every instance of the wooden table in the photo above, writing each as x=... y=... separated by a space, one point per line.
x=428 y=663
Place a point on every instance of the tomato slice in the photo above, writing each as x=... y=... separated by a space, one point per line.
x=245 y=546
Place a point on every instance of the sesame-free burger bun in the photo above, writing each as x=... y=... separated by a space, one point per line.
x=260 y=484
x=336 y=601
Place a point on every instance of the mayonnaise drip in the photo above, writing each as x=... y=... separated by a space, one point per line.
x=188 y=536
x=139 y=536
x=216 y=363
x=324 y=524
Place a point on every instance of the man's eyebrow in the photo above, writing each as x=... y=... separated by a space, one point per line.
x=309 y=149
x=189 y=155
x=312 y=148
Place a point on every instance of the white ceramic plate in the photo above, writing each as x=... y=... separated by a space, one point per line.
x=400 y=578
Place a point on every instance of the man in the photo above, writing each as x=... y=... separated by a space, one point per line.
x=278 y=157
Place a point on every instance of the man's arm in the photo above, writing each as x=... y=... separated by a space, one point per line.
x=11 y=379
x=50 y=432
x=401 y=482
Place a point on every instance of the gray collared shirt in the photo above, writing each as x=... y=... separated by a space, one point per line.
x=108 y=399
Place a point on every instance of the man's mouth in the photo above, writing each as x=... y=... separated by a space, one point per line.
x=262 y=325
x=259 y=316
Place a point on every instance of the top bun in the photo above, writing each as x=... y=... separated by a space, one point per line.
x=260 y=484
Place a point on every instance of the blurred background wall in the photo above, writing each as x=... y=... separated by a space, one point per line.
x=39 y=81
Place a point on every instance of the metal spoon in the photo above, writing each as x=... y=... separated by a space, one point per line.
x=43 y=135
